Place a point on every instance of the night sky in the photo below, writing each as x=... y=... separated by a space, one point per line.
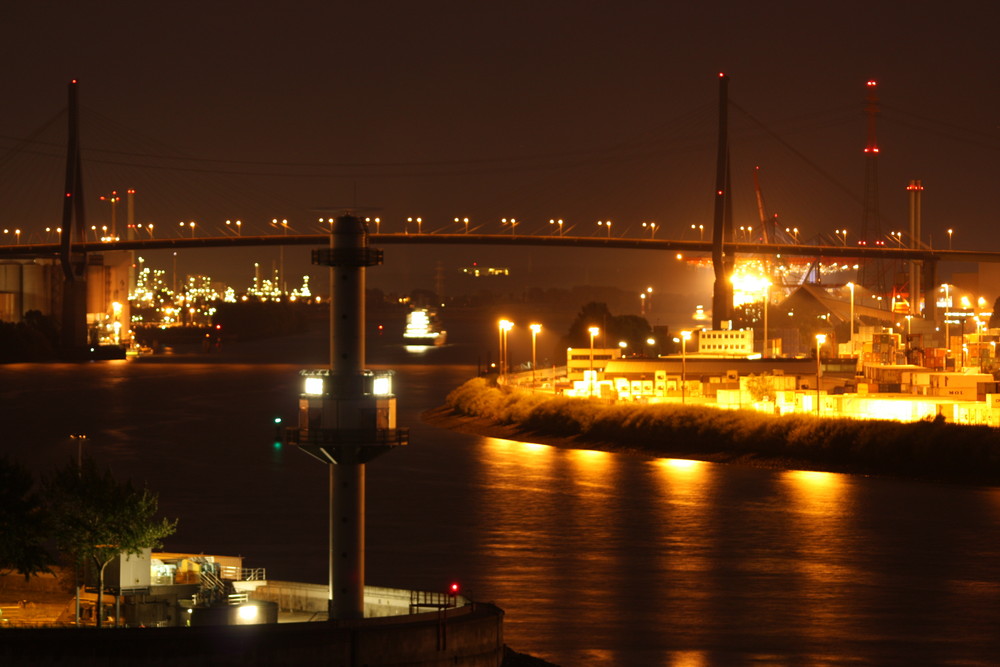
x=576 y=110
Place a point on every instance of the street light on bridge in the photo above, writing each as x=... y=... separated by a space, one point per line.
x=238 y=225
x=605 y=223
x=950 y=232
x=512 y=222
x=419 y=221
x=557 y=222
x=465 y=221
x=368 y=221
x=652 y=228
x=701 y=231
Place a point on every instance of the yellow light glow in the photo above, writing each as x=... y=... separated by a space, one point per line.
x=247 y=612
x=382 y=386
x=314 y=386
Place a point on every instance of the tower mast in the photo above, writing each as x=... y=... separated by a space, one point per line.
x=871 y=273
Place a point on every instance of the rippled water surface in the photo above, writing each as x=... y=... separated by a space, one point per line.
x=598 y=559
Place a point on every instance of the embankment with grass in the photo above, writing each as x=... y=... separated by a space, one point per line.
x=925 y=449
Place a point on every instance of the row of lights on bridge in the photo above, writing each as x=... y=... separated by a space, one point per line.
x=235 y=227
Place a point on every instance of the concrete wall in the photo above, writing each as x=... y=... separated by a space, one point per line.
x=379 y=601
x=469 y=636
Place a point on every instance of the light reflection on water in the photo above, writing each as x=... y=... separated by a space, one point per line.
x=598 y=559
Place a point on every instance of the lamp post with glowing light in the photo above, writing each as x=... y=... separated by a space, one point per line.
x=505 y=326
x=419 y=222
x=950 y=232
x=378 y=224
x=851 y=287
x=593 y=331
x=947 y=322
x=652 y=228
x=820 y=339
x=605 y=223
x=557 y=222
x=465 y=221
x=512 y=222
x=767 y=303
x=685 y=335
x=535 y=328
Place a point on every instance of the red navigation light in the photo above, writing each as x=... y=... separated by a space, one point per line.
x=871 y=83
x=453 y=589
x=722 y=74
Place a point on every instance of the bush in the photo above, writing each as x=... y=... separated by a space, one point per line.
x=926 y=448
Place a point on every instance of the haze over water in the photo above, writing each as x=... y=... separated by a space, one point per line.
x=598 y=559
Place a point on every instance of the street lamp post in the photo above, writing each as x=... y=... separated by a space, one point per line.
x=535 y=328
x=820 y=339
x=685 y=335
x=851 y=287
x=652 y=228
x=947 y=323
x=557 y=222
x=505 y=326
x=950 y=232
x=593 y=331
x=767 y=302
x=465 y=221
x=510 y=221
x=605 y=223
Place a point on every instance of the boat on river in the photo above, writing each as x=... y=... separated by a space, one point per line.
x=423 y=328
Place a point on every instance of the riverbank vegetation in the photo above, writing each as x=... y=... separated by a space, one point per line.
x=925 y=449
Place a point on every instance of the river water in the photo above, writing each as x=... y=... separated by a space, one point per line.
x=598 y=559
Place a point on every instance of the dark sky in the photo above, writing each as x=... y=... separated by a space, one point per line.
x=579 y=110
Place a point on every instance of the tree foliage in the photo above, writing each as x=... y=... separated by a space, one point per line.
x=95 y=517
x=23 y=524
x=632 y=329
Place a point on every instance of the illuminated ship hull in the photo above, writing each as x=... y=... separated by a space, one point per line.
x=422 y=329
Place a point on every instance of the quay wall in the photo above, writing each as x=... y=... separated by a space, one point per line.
x=469 y=636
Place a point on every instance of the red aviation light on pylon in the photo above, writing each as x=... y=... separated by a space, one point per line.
x=722 y=74
x=872 y=83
